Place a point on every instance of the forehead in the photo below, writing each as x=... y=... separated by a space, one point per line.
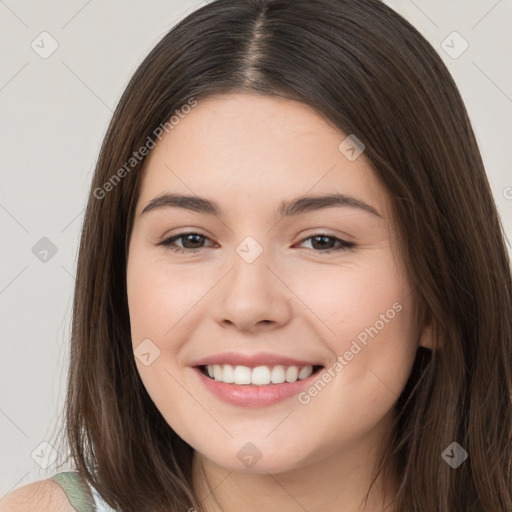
x=256 y=149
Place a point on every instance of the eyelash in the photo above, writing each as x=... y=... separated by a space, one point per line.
x=169 y=242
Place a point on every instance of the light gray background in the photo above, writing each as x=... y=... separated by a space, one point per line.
x=54 y=113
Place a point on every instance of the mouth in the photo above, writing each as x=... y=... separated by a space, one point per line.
x=264 y=375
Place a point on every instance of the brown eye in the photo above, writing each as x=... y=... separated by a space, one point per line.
x=327 y=243
x=191 y=242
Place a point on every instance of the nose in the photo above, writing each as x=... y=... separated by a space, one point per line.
x=253 y=296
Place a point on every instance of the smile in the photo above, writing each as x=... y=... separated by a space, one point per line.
x=259 y=376
x=259 y=386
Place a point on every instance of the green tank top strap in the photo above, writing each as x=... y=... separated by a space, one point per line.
x=76 y=490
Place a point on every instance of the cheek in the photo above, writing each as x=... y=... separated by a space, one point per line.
x=349 y=298
x=161 y=300
x=366 y=314
x=157 y=299
x=158 y=296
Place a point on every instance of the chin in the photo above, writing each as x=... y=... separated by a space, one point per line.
x=250 y=459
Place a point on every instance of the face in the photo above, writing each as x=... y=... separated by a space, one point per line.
x=260 y=294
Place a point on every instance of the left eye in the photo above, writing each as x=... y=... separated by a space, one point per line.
x=322 y=240
x=194 y=238
x=318 y=243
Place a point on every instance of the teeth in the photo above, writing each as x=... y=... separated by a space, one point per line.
x=228 y=374
x=217 y=372
x=242 y=375
x=305 y=372
x=258 y=376
x=292 y=374
x=277 y=375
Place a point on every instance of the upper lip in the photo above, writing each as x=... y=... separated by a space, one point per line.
x=252 y=360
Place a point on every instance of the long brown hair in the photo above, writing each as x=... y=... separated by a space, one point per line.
x=370 y=73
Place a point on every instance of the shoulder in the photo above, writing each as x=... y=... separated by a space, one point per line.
x=40 y=496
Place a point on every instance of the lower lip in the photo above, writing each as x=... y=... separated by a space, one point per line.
x=250 y=395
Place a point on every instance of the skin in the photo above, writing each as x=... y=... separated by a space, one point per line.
x=249 y=152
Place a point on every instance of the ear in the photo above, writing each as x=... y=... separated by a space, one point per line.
x=426 y=336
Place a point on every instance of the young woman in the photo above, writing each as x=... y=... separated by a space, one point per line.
x=293 y=291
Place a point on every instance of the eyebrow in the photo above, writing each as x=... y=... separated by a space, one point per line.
x=293 y=207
